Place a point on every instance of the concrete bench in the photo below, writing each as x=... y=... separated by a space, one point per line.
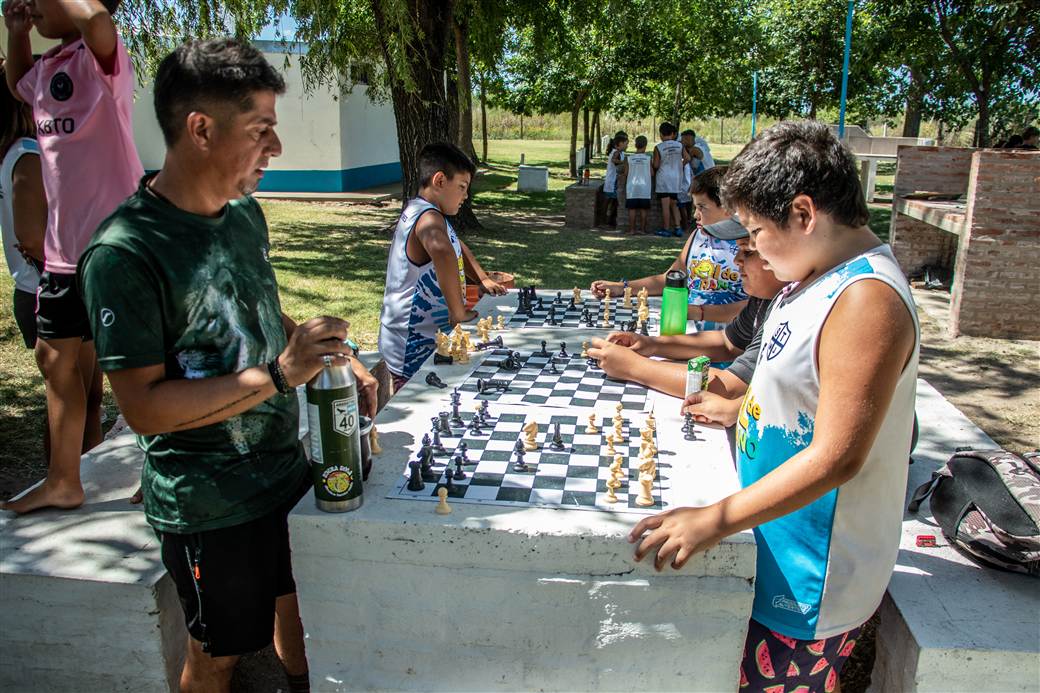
x=946 y=623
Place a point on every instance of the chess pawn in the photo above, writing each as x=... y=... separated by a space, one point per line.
x=592 y=427
x=577 y=295
x=584 y=350
x=627 y=301
x=613 y=484
x=651 y=422
x=442 y=505
x=619 y=435
x=501 y=323
x=606 y=297
x=610 y=444
x=646 y=495
x=615 y=466
x=373 y=441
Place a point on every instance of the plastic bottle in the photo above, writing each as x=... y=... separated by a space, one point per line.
x=334 y=423
x=673 y=303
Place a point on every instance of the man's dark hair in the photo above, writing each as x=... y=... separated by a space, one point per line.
x=691 y=133
x=215 y=73
x=111 y=5
x=446 y=157
x=1030 y=131
x=641 y=142
x=1015 y=141
x=708 y=183
x=796 y=158
x=666 y=128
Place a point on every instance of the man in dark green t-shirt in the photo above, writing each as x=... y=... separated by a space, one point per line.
x=184 y=307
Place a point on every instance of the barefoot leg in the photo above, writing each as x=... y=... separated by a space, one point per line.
x=66 y=411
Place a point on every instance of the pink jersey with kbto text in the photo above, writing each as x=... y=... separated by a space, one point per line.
x=86 y=137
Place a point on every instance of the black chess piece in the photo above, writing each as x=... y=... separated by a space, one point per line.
x=415 y=480
x=456 y=416
x=541 y=306
x=559 y=297
x=552 y=367
x=519 y=465
x=456 y=397
x=557 y=439
x=645 y=329
x=482 y=386
x=544 y=351
x=485 y=409
x=474 y=427
x=563 y=351
x=459 y=475
x=689 y=433
x=443 y=422
x=491 y=343
x=462 y=450
x=432 y=379
x=448 y=483
x=426 y=465
x=437 y=446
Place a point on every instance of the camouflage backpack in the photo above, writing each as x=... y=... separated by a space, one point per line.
x=987 y=503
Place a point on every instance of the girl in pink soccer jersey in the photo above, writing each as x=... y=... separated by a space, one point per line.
x=81 y=93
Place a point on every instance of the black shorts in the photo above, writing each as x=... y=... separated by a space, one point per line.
x=637 y=203
x=228 y=580
x=667 y=196
x=25 y=316
x=60 y=313
x=686 y=205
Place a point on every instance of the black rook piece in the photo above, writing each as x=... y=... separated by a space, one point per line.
x=415 y=480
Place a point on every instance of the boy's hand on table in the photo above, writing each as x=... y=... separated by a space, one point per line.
x=644 y=346
x=708 y=407
x=368 y=388
x=490 y=286
x=616 y=361
x=675 y=535
x=17 y=18
x=469 y=315
x=600 y=286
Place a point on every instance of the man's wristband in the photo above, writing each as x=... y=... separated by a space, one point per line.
x=278 y=378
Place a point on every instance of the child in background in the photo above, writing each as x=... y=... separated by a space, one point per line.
x=428 y=265
x=615 y=158
x=822 y=438
x=713 y=278
x=669 y=157
x=81 y=93
x=685 y=200
x=637 y=187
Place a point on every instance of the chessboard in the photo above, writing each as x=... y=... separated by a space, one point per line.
x=570 y=315
x=574 y=477
x=577 y=383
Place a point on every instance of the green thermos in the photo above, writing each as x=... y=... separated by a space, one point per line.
x=334 y=422
x=673 y=303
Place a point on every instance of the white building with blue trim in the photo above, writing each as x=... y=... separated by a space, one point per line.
x=331 y=141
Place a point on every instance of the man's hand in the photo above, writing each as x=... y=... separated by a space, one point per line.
x=644 y=346
x=616 y=361
x=676 y=535
x=490 y=286
x=368 y=388
x=304 y=356
x=708 y=407
x=17 y=18
x=600 y=286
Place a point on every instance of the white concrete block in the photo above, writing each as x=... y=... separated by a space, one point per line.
x=948 y=624
x=532 y=179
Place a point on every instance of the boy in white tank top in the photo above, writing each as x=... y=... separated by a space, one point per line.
x=669 y=160
x=428 y=265
x=824 y=430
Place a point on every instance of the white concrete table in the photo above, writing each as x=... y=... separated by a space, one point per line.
x=868 y=172
x=395 y=597
x=532 y=178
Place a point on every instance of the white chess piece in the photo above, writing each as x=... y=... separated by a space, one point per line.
x=442 y=505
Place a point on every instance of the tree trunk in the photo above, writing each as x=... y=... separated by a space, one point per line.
x=465 y=88
x=422 y=113
x=597 y=139
x=914 y=103
x=579 y=99
x=982 y=124
x=521 y=126
x=483 y=118
x=587 y=137
x=675 y=106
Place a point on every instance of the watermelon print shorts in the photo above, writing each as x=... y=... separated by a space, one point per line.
x=775 y=663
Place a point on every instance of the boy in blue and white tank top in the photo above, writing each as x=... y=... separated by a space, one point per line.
x=428 y=265
x=824 y=430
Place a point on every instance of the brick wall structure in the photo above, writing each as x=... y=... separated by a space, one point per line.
x=583 y=204
x=996 y=288
x=991 y=243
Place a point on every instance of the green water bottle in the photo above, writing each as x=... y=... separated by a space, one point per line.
x=334 y=423
x=673 y=303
